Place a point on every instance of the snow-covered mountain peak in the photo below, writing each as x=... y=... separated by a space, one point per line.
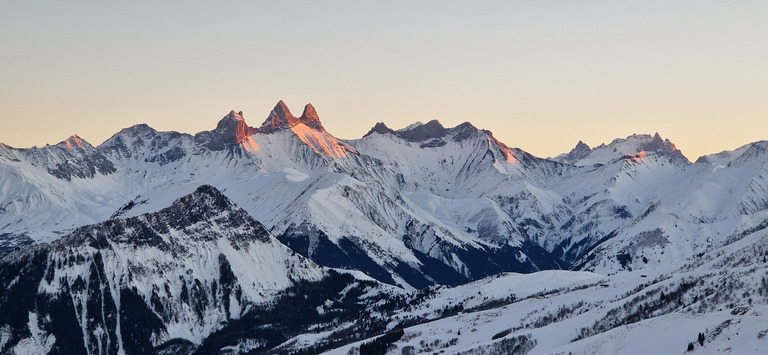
x=139 y=130
x=74 y=141
x=465 y=126
x=70 y=158
x=581 y=146
x=621 y=147
x=141 y=127
x=307 y=128
x=755 y=154
x=580 y=151
x=205 y=202
x=729 y=157
x=379 y=128
x=642 y=142
x=464 y=131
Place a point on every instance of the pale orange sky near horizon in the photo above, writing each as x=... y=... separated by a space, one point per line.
x=540 y=75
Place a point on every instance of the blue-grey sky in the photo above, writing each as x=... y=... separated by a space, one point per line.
x=540 y=74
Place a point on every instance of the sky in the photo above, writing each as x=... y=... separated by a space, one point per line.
x=541 y=75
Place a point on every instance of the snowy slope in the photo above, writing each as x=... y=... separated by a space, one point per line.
x=726 y=156
x=706 y=206
x=163 y=267
x=714 y=305
x=45 y=192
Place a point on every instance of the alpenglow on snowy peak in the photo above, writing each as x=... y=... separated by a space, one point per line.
x=281 y=118
x=412 y=207
x=634 y=145
x=233 y=129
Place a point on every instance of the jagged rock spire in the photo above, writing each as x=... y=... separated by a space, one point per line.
x=310 y=118
x=580 y=151
x=379 y=128
x=232 y=128
x=657 y=144
x=281 y=118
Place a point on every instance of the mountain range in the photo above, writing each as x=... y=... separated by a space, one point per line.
x=205 y=235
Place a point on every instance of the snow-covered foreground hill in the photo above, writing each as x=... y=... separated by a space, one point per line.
x=198 y=276
x=715 y=305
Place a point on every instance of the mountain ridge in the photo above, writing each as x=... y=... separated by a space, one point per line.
x=281 y=118
x=406 y=205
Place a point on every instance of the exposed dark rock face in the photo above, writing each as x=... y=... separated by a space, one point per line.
x=430 y=130
x=431 y=134
x=230 y=130
x=580 y=151
x=310 y=118
x=664 y=146
x=281 y=118
x=379 y=128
